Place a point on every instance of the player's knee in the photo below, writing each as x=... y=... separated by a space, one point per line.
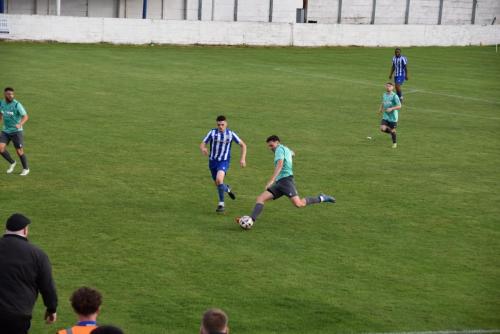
x=382 y=128
x=20 y=151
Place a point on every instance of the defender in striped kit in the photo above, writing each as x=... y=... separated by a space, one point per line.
x=400 y=70
x=219 y=157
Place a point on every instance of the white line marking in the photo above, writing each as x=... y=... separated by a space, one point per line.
x=368 y=83
x=434 y=111
x=465 y=331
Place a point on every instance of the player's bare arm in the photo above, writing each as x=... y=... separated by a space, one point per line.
x=22 y=122
x=203 y=148
x=406 y=76
x=392 y=71
x=277 y=171
x=243 y=159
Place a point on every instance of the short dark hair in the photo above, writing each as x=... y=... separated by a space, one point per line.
x=214 y=320
x=272 y=138
x=107 y=330
x=8 y=89
x=86 y=301
x=389 y=83
x=221 y=118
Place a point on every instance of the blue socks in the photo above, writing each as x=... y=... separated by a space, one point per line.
x=221 y=190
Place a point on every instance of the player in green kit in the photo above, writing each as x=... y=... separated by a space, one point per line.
x=282 y=183
x=14 y=116
x=390 y=107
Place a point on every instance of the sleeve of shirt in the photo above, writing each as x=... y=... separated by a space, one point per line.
x=21 y=109
x=405 y=61
x=46 y=283
x=280 y=154
x=396 y=101
x=208 y=137
x=236 y=139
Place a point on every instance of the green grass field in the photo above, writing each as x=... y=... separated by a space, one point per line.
x=121 y=198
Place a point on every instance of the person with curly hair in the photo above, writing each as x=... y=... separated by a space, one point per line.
x=86 y=303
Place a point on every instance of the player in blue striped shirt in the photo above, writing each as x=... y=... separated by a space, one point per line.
x=219 y=156
x=400 y=70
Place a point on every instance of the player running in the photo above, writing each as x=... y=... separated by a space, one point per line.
x=390 y=107
x=400 y=70
x=220 y=140
x=282 y=183
x=14 y=116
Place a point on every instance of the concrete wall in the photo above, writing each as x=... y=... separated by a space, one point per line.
x=138 y=31
x=393 y=11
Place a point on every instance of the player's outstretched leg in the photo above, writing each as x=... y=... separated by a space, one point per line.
x=259 y=204
x=5 y=154
x=302 y=202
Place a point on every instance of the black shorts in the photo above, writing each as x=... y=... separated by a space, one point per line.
x=17 y=138
x=284 y=186
x=390 y=124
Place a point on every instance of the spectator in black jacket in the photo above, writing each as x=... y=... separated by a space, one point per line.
x=25 y=270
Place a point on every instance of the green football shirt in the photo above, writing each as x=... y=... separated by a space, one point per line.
x=390 y=100
x=12 y=114
x=283 y=153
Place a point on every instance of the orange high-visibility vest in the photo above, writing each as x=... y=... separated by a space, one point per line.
x=77 y=330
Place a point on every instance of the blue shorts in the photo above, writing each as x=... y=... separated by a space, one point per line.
x=399 y=80
x=216 y=166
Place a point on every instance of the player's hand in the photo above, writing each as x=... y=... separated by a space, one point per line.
x=243 y=163
x=268 y=185
x=18 y=126
x=204 y=151
x=50 y=318
x=406 y=78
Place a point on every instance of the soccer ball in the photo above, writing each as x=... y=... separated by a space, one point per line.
x=246 y=222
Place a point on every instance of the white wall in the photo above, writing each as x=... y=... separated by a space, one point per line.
x=393 y=11
x=424 y=12
x=20 y=6
x=486 y=10
x=138 y=31
x=390 y=12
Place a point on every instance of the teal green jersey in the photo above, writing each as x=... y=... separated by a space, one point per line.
x=283 y=153
x=12 y=114
x=390 y=100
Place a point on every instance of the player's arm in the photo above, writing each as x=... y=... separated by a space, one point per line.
x=203 y=148
x=391 y=109
x=277 y=171
x=407 y=76
x=392 y=71
x=381 y=109
x=203 y=144
x=243 y=159
x=24 y=119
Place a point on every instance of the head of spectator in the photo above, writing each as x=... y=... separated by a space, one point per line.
x=86 y=303
x=107 y=330
x=214 y=322
x=17 y=224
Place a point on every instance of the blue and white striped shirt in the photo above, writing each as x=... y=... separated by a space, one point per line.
x=220 y=144
x=399 y=64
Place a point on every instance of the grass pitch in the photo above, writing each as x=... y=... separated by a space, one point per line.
x=121 y=198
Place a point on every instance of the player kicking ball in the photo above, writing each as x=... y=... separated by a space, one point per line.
x=220 y=140
x=282 y=183
x=390 y=107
